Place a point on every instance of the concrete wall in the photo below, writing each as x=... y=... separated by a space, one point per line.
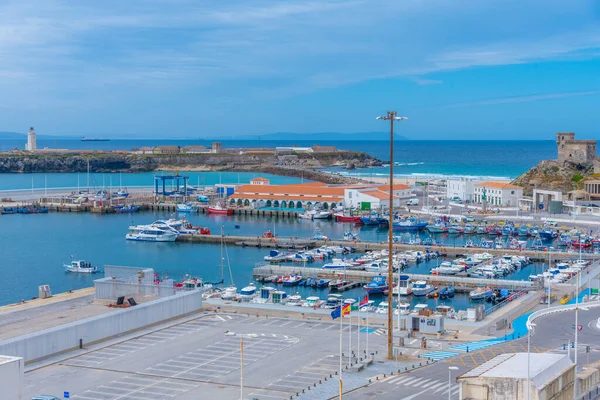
x=111 y=289
x=125 y=272
x=12 y=370
x=42 y=344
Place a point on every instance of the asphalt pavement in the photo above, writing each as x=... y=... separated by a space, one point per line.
x=553 y=333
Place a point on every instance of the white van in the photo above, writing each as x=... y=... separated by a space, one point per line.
x=412 y=202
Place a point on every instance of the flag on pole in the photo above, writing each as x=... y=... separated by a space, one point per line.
x=346 y=309
x=336 y=313
x=364 y=301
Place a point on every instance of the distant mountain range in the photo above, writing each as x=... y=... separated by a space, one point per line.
x=287 y=136
x=321 y=136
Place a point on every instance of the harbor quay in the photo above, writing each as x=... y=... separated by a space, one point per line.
x=182 y=345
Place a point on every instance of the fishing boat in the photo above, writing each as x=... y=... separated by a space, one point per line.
x=333 y=300
x=455 y=229
x=129 y=208
x=229 y=293
x=409 y=224
x=322 y=215
x=317 y=235
x=377 y=285
x=305 y=215
x=219 y=209
x=187 y=208
x=8 y=210
x=405 y=285
x=341 y=217
x=121 y=193
x=294 y=300
x=336 y=263
x=422 y=288
x=447 y=292
x=248 y=292
x=480 y=293
x=547 y=234
x=291 y=280
x=523 y=231
x=322 y=283
x=351 y=237
x=149 y=233
x=437 y=227
x=81 y=267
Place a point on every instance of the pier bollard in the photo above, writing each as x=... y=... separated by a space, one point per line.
x=81 y=343
x=467 y=349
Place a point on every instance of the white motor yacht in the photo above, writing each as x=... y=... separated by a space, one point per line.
x=422 y=288
x=229 y=293
x=336 y=263
x=382 y=308
x=405 y=286
x=313 y=302
x=81 y=267
x=149 y=233
x=248 y=292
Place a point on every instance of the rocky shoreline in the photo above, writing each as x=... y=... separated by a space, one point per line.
x=300 y=165
x=563 y=176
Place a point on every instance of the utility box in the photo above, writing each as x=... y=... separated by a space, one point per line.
x=44 y=292
x=431 y=324
x=12 y=370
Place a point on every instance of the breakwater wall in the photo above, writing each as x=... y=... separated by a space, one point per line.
x=42 y=344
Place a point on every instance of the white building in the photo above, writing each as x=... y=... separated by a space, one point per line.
x=12 y=379
x=498 y=193
x=260 y=181
x=368 y=199
x=463 y=188
x=504 y=377
x=31 y=140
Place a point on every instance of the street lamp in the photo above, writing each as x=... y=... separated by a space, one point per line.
x=530 y=327
x=450 y=369
x=391 y=116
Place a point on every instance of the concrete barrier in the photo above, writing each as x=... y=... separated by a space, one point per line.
x=38 y=345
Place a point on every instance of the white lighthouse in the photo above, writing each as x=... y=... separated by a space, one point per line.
x=31 y=145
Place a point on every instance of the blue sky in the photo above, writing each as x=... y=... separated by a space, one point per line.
x=503 y=69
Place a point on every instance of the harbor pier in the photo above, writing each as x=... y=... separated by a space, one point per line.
x=364 y=246
x=460 y=283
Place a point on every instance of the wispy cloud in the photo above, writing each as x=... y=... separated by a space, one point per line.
x=519 y=99
x=86 y=53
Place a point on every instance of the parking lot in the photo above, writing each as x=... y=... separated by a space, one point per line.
x=203 y=358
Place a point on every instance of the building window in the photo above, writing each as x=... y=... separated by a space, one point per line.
x=512 y=192
x=350 y=195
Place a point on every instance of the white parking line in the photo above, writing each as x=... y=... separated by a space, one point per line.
x=330 y=327
x=287 y=323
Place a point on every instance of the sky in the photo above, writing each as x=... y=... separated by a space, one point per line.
x=461 y=69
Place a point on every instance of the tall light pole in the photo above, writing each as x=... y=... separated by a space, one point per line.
x=391 y=116
x=450 y=369
x=529 y=331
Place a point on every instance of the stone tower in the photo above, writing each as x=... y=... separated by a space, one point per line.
x=31 y=140
x=569 y=149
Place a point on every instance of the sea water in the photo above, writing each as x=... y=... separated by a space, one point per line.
x=35 y=247
x=493 y=158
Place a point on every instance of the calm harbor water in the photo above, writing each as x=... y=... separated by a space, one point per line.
x=34 y=248
x=39 y=181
